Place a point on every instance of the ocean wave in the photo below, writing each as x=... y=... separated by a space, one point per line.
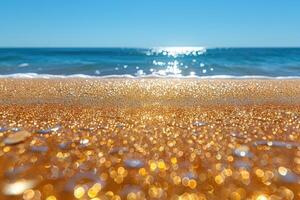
x=51 y=76
x=154 y=62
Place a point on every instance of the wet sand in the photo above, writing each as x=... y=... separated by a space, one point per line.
x=149 y=139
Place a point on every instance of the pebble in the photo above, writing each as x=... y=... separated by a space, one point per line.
x=18 y=187
x=15 y=138
x=49 y=130
x=280 y=144
x=134 y=163
x=2 y=129
x=39 y=148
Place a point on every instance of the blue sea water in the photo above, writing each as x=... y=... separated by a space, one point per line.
x=159 y=62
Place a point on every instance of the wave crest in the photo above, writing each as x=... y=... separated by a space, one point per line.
x=139 y=76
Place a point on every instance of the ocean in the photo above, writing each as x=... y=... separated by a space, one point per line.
x=151 y=62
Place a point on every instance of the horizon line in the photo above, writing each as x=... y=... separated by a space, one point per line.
x=138 y=47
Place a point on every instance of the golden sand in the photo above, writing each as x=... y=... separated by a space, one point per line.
x=149 y=139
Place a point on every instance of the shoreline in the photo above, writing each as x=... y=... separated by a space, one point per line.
x=148 y=76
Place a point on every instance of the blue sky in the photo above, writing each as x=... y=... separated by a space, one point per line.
x=144 y=23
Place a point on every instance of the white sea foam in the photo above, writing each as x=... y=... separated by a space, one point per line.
x=139 y=76
x=23 y=65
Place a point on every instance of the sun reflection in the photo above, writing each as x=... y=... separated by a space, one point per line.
x=179 y=51
x=171 y=69
x=171 y=61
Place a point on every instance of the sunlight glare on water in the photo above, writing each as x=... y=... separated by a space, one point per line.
x=178 y=51
x=173 y=67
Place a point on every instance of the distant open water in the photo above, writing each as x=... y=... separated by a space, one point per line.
x=151 y=62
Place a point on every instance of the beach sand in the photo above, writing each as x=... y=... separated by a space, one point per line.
x=149 y=139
